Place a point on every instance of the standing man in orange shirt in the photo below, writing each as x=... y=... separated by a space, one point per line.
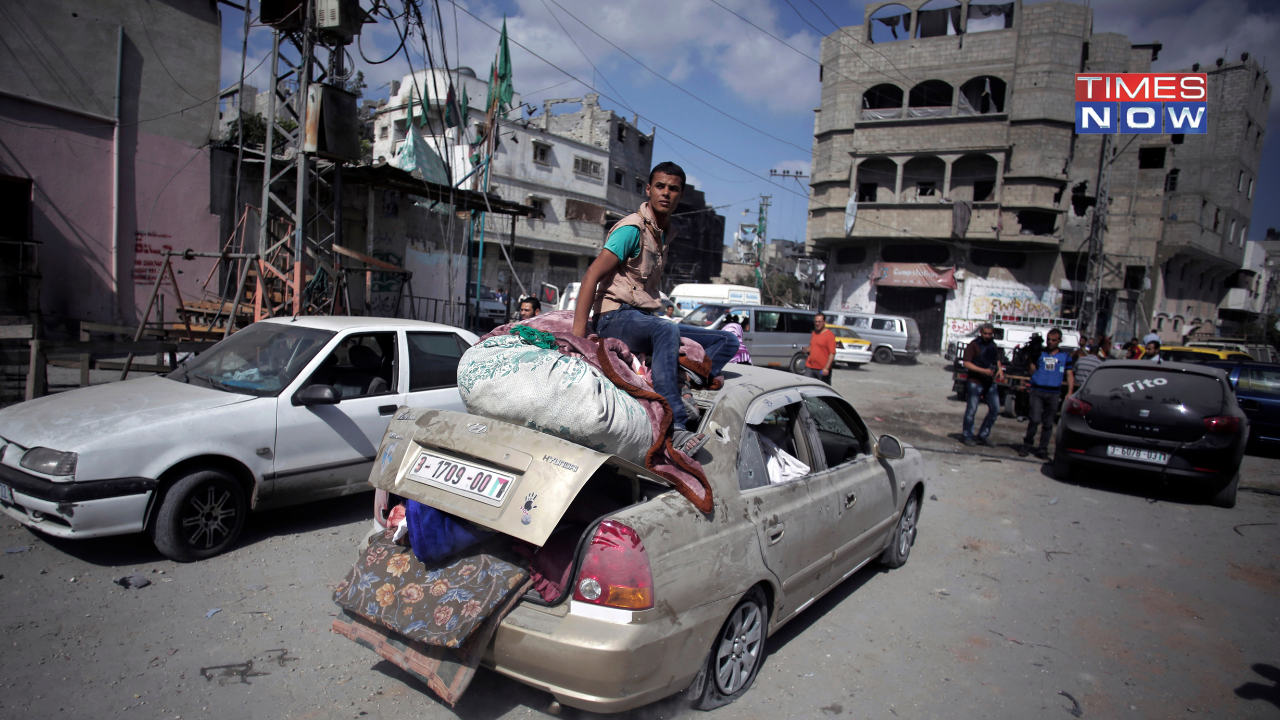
x=821 y=349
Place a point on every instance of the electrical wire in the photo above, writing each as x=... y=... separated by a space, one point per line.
x=855 y=52
x=580 y=50
x=664 y=79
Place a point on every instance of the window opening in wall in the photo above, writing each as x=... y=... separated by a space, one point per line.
x=853 y=255
x=889 y=23
x=643 y=142
x=622 y=133
x=882 y=102
x=1232 y=235
x=639 y=186
x=1217 y=218
x=867 y=192
x=984 y=190
x=1071 y=300
x=1240 y=182
x=938 y=18
x=1177 y=324
x=879 y=175
x=926 y=189
x=522 y=255
x=972 y=171
x=982 y=96
x=617 y=177
x=1080 y=202
x=921 y=177
x=1171 y=180
x=987 y=17
x=563 y=260
x=1182 y=274
x=1251 y=189
x=384 y=132
x=587 y=167
x=1036 y=222
x=1244 y=232
x=1159 y=324
x=1177 y=138
x=1134 y=275
x=1201 y=281
x=542 y=154
x=930 y=98
x=1150 y=158
x=998 y=258
x=539 y=204
x=929 y=254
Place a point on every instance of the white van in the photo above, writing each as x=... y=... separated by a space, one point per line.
x=690 y=296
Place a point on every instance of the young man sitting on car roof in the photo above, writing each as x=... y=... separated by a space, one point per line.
x=621 y=290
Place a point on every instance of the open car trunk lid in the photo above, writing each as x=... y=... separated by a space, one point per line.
x=507 y=478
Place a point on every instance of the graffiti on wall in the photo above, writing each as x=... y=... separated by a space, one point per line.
x=850 y=291
x=148 y=257
x=990 y=299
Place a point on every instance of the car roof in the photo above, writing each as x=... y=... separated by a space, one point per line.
x=1191 y=368
x=762 y=379
x=343 y=322
x=1224 y=364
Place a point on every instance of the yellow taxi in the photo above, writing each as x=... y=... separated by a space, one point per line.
x=851 y=350
x=1177 y=353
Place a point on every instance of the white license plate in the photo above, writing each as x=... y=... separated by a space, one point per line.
x=1128 y=453
x=484 y=484
x=6 y=494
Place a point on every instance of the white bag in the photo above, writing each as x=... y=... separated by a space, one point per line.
x=506 y=379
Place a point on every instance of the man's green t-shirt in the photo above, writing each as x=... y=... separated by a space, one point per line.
x=625 y=242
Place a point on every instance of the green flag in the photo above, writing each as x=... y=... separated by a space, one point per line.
x=506 y=90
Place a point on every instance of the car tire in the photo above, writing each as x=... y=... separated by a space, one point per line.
x=797 y=363
x=883 y=355
x=200 y=516
x=904 y=534
x=735 y=657
x=1061 y=465
x=1226 y=496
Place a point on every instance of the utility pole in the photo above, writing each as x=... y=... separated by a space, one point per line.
x=1097 y=230
x=762 y=228
x=302 y=187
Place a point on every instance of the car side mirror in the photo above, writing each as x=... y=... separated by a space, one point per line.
x=318 y=395
x=889 y=447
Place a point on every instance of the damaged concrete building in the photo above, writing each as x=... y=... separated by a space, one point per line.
x=946 y=134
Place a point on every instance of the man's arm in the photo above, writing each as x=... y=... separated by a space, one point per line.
x=604 y=264
x=1071 y=381
x=969 y=355
x=831 y=356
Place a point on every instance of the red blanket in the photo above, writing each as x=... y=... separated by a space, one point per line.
x=614 y=359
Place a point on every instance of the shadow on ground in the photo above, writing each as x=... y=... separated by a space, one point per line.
x=136 y=549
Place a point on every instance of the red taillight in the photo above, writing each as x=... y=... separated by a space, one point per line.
x=615 y=571
x=1222 y=425
x=1077 y=407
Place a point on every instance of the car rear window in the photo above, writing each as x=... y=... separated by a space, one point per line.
x=705 y=315
x=1153 y=384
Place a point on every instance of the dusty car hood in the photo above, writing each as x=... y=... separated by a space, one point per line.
x=68 y=420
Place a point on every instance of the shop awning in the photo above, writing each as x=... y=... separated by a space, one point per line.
x=917 y=275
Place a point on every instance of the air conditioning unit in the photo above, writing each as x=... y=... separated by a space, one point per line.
x=341 y=18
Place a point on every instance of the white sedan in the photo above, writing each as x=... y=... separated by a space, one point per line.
x=282 y=412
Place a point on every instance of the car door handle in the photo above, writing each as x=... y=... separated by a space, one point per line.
x=385 y=410
x=850 y=500
x=775 y=533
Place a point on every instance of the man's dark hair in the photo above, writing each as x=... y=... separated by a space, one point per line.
x=669 y=168
x=1156 y=343
x=820 y=315
x=534 y=302
x=1054 y=331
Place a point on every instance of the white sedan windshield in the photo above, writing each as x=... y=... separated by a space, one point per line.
x=262 y=359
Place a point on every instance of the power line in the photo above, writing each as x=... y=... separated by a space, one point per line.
x=669 y=82
x=580 y=50
x=855 y=52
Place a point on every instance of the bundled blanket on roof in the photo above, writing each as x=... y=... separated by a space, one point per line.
x=614 y=361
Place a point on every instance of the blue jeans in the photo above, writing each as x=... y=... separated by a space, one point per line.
x=976 y=393
x=660 y=340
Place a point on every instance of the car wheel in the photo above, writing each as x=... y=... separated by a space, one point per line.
x=1226 y=497
x=1061 y=465
x=200 y=516
x=883 y=356
x=904 y=535
x=736 y=655
x=797 y=363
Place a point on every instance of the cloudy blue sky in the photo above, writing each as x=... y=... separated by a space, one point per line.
x=748 y=74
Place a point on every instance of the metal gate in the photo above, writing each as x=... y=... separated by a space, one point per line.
x=925 y=305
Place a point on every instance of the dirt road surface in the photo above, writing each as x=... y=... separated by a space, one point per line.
x=1024 y=597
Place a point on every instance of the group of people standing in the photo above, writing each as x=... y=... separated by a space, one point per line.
x=1049 y=371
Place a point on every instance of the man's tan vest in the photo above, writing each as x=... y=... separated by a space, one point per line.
x=636 y=280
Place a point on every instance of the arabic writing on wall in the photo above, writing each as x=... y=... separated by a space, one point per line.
x=148 y=259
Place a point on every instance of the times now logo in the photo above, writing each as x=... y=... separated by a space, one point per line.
x=1148 y=103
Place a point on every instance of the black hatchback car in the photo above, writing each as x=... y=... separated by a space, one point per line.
x=1176 y=419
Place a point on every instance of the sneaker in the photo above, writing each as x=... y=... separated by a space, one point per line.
x=1023 y=450
x=969 y=441
x=986 y=441
x=688 y=442
x=1042 y=453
